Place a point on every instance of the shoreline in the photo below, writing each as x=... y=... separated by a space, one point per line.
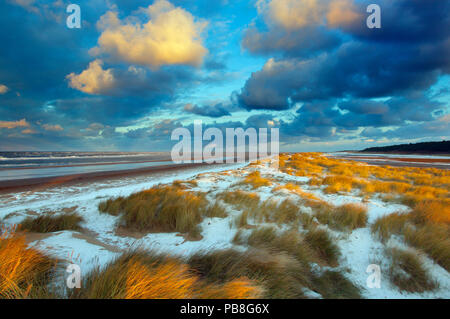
x=31 y=184
x=85 y=164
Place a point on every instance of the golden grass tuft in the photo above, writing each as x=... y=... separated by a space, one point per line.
x=24 y=272
x=255 y=180
x=297 y=190
x=144 y=275
x=433 y=211
x=278 y=274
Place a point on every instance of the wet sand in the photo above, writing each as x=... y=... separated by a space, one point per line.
x=33 y=184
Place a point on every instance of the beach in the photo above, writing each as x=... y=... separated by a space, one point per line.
x=100 y=240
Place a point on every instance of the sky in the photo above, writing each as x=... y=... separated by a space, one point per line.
x=136 y=70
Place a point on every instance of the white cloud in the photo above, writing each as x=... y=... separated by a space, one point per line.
x=93 y=80
x=170 y=36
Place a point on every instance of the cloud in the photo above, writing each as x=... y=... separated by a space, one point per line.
x=342 y=13
x=437 y=128
x=304 y=42
x=14 y=124
x=217 y=110
x=169 y=35
x=356 y=69
x=291 y=14
x=53 y=128
x=299 y=28
x=93 y=80
x=29 y=131
x=408 y=54
x=29 y=5
x=296 y=14
x=3 y=89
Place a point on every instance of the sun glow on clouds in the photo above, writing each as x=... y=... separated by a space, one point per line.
x=170 y=36
x=3 y=89
x=14 y=124
x=93 y=80
x=296 y=14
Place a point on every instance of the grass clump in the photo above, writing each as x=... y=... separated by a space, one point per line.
x=344 y=217
x=255 y=180
x=322 y=245
x=145 y=275
x=240 y=199
x=430 y=237
x=241 y=221
x=278 y=274
x=216 y=210
x=390 y=224
x=334 y=285
x=48 y=224
x=24 y=272
x=433 y=239
x=262 y=236
x=407 y=271
x=162 y=209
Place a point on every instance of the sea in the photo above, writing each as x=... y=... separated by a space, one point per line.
x=34 y=164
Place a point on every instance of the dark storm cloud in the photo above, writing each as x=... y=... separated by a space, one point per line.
x=408 y=53
x=305 y=42
x=406 y=21
x=217 y=110
x=356 y=69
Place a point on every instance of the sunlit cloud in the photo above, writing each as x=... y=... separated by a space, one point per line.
x=93 y=80
x=14 y=124
x=171 y=35
x=53 y=128
x=3 y=89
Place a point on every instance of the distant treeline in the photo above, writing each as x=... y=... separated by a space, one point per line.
x=419 y=148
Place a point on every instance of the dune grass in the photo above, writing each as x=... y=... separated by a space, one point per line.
x=418 y=231
x=24 y=272
x=346 y=217
x=169 y=208
x=241 y=221
x=322 y=245
x=315 y=246
x=410 y=185
x=49 y=224
x=334 y=285
x=407 y=271
x=433 y=239
x=280 y=274
x=240 y=199
x=296 y=189
x=255 y=180
x=146 y=275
